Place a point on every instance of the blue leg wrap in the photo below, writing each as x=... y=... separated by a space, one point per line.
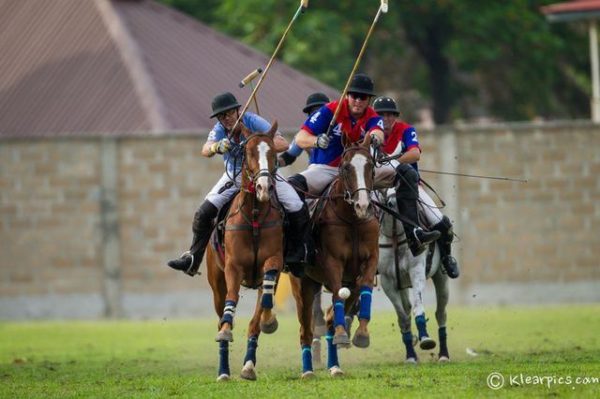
x=332 y=355
x=224 y=358
x=268 y=289
x=338 y=313
x=251 y=349
x=228 y=313
x=306 y=359
x=407 y=338
x=421 y=323
x=365 y=303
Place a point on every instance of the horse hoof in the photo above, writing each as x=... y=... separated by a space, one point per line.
x=427 y=343
x=341 y=340
x=308 y=375
x=361 y=341
x=335 y=371
x=410 y=360
x=444 y=359
x=223 y=378
x=270 y=327
x=226 y=335
x=248 y=371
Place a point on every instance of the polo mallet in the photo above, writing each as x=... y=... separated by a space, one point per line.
x=383 y=8
x=248 y=80
x=303 y=6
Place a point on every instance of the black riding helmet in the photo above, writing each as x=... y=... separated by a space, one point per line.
x=223 y=102
x=361 y=83
x=315 y=100
x=385 y=104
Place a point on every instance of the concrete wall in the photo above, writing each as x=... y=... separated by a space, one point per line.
x=87 y=224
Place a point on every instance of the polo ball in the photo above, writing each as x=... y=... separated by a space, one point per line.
x=344 y=293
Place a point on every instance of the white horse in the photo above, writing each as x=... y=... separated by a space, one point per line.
x=398 y=269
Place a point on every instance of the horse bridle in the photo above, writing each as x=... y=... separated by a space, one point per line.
x=348 y=195
x=261 y=172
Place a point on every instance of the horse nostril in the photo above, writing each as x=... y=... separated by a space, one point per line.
x=258 y=187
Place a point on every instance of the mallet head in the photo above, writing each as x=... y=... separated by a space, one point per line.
x=384 y=6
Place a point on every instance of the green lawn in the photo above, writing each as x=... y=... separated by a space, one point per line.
x=179 y=358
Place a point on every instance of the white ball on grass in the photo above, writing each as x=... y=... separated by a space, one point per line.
x=344 y=293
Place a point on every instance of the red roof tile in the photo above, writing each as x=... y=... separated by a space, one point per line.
x=572 y=6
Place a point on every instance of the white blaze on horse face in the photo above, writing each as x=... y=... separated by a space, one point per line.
x=361 y=205
x=262 y=183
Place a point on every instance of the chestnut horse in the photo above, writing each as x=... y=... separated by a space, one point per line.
x=347 y=255
x=253 y=256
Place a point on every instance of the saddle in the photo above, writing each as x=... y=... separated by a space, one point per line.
x=217 y=238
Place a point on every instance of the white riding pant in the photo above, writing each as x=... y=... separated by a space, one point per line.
x=226 y=189
x=430 y=210
x=318 y=176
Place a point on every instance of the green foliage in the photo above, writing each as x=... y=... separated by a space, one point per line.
x=465 y=58
x=179 y=358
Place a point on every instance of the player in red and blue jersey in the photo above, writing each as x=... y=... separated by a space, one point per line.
x=355 y=120
x=401 y=139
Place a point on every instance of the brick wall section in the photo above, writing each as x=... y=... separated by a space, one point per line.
x=50 y=232
x=49 y=207
x=545 y=230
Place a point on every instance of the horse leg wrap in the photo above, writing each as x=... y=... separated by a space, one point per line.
x=365 y=303
x=332 y=355
x=306 y=358
x=443 y=342
x=251 y=349
x=268 y=289
x=407 y=338
x=338 y=313
x=224 y=358
x=421 y=323
x=228 y=313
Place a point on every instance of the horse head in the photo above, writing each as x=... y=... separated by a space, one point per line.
x=357 y=173
x=259 y=163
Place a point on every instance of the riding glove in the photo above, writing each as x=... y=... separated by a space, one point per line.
x=375 y=140
x=323 y=141
x=221 y=147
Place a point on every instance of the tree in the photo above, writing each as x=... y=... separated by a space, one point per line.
x=467 y=58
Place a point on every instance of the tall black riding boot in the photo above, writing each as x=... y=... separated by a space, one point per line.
x=407 y=194
x=299 y=245
x=189 y=262
x=448 y=261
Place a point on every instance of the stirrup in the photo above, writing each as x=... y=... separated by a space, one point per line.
x=190 y=271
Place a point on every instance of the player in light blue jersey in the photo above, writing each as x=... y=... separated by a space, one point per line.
x=220 y=141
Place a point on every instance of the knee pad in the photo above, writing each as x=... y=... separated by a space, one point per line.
x=298 y=182
x=204 y=215
x=406 y=174
x=407 y=183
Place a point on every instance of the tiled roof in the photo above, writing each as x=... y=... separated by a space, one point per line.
x=572 y=10
x=106 y=67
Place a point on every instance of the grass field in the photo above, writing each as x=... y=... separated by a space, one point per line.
x=179 y=358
